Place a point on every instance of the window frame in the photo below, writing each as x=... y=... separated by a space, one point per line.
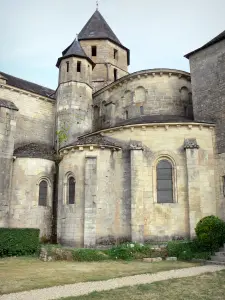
x=68 y=190
x=174 y=179
x=65 y=200
x=94 y=49
x=49 y=192
x=115 y=54
x=78 y=66
x=223 y=185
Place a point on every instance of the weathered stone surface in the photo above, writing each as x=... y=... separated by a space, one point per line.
x=155 y=259
x=171 y=258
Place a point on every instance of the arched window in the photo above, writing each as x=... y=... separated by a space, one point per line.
x=43 y=193
x=164 y=172
x=71 y=190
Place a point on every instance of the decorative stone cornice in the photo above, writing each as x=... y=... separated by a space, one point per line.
x=146 y=126
x=190 y=144
x=87 y=147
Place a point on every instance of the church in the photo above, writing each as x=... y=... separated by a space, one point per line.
x=110 y=156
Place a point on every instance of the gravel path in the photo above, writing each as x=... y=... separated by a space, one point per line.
x=83 y=288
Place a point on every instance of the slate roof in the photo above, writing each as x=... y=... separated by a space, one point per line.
x=97 y=139
x=74 y=49
x=97 y=28
x=8 y=104
x=28 y=86
x=154 y=119
x=34 y=150
x=217 y=39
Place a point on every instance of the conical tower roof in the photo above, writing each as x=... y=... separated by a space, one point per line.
x=97 y=29
x=75 y=50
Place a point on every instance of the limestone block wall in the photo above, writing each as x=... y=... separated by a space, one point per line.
x=35 y=119
x=103 y=73
x=208 y=85
x=24 y=208
x=7 y=134
x=100 y=214
x=74 y=110
x=220 y=184
x=150 y=92
x=163 y=221
x=85 y=74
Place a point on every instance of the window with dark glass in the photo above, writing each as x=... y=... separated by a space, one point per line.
x=67 y=66
x=43 y=193
x=71 y=190
x=115 y=74
x=223 y=186
x=164 y=182
x=78 y=66
x=94 y=51
x=141 y=110
x=115 y=54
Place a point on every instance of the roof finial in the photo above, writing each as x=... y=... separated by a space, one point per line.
x=97 y=5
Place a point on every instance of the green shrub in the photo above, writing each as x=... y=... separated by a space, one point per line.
x=19 y=241
x=176 y=248
x=210 y=232
x=88 y=255
x=129 y=251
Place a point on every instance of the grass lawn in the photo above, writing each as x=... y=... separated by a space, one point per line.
x=20 y=274
x=209 y=286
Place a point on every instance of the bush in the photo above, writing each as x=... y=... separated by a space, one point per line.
x=210 y=232
x=129 y=251
x=88 y=255
x=19 y=241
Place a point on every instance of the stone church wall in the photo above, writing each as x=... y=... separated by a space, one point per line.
x=208 y=85
x=7 y=133
x=35 y=118
x=150 y=92
x=100 y=213
x=24 y=208
x=163 y=221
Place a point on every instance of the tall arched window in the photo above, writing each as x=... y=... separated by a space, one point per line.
x=71 y=190
x=43 y=193
x=164 y=172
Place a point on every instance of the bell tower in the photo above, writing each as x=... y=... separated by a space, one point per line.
x=103 y=47
x=74 y=95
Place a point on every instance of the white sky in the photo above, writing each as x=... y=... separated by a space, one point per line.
x=157 y=32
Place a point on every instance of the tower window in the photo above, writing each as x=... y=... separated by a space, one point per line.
x=115 y=54
x=115 y=74
x=71 y=190
x=94 y=51
x=79 y=66
x=43 y=192
x=67 y=66
x=141 y=110
x=223 y=185
x=126 y=114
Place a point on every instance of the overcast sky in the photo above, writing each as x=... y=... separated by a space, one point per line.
x=158 y=32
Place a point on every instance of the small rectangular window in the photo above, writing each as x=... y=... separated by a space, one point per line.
x=141 y=110
x=67 y=66
x=223 y=185
x=94 y=51
x=115 y=54
x=115 y=74
x=79 y=66
x=126 y=114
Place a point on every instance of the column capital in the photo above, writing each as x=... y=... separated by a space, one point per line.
x=190 y=144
